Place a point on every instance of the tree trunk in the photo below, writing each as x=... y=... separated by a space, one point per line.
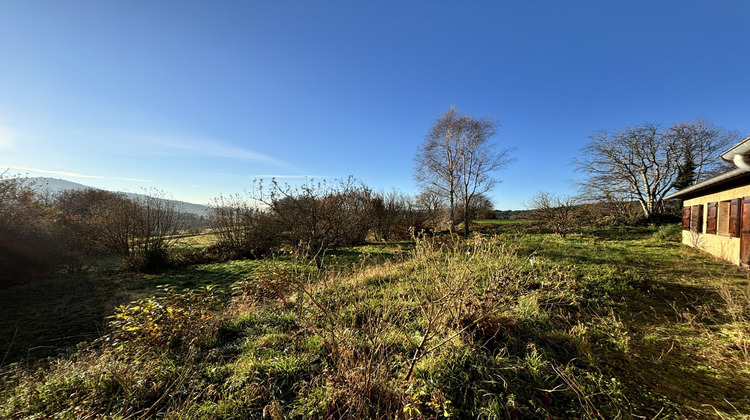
x=466 y=220
x=452 y=227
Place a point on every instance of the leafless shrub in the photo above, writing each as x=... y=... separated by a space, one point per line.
x=141 y=230
x=558 y=214
x=389 y=215
x=238 y=226
x=358 y=338
x=312 y=218
x=29 y=236
x=396 y=215
x=480 y=207
x=458 y=286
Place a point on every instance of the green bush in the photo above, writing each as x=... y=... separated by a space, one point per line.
x=670 y=232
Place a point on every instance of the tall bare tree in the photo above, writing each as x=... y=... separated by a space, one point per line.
x=643 y=163
x=637 y=162
x=456 y=160
x=698 y=142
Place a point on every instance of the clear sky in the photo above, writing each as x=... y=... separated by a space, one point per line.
x=199 y=98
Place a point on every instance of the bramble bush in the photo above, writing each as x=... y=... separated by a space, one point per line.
x=174 y=319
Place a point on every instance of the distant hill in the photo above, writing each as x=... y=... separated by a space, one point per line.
x=54 y=185
x=44 y=185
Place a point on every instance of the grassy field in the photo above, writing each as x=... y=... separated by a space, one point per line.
x=611 y=324
x=501 y=221
x=681 y=317
x=49 y=315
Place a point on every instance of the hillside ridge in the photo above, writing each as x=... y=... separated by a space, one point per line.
x=54 y=185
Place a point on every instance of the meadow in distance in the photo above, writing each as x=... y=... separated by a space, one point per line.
x=331 y=300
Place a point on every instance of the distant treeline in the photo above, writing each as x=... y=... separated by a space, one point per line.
x=513 y=214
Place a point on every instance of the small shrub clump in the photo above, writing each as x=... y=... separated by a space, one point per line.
x=172 y=319
x=670 y=232
x=150 y=364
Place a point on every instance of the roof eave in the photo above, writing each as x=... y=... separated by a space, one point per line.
x=711 y=182
x=741 y=148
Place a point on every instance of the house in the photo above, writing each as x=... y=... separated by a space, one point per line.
x=716 y=212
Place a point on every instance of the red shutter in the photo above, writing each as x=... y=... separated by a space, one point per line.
x=686 y=218
x=711 y=218
x=745 y=232
x=734 y=217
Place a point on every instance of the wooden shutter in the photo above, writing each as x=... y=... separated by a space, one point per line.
x=745 y=232
x=686 y=218
x=711 y=214
x=696 y=218
x=734 y=217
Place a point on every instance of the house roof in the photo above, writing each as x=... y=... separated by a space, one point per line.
x=723 y=181
x=741 y=148
x=727 y=179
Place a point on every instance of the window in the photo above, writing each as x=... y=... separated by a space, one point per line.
x=723 y=219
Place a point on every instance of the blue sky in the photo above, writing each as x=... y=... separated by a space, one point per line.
x=200 y=98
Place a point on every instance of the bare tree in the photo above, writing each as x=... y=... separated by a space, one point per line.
x=456 y=160
x=389 y=215
x=480 y=207
x=698 y=142
x=13 y=191
x=428 y=210
x=643 y=163
x=437 y=165
x=109 y=221
x=81 y=236
x=638 y=162
x=397 y=215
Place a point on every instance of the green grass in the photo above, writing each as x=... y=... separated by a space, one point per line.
x=607 y=324
x=667 y=298
x=48 y=315
x=195 y=242
x=501 y=221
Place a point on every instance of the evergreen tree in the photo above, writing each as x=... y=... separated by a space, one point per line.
x=685 y=173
